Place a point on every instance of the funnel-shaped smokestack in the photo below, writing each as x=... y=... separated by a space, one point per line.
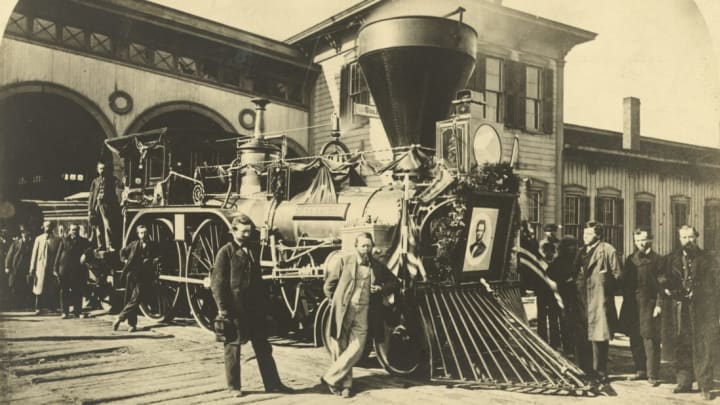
x=413 y=67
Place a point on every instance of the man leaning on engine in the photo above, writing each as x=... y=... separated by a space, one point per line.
x=355 y=283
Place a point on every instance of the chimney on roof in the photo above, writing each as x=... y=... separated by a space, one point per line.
x=631 y=123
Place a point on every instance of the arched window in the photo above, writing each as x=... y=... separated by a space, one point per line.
x=576 y=210
x=609 y=210
x=645 y=211
x=711 y=225
x=680 y=212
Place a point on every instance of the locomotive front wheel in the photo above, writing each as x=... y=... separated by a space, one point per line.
x=159 y=303
x=210 y=236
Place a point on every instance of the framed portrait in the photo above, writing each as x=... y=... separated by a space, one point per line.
x=488 y=234
x=481 y=239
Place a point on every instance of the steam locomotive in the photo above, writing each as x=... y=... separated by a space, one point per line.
x=444 y=224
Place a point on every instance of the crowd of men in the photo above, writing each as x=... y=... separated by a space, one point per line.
x=588 y=275
x=53 y=267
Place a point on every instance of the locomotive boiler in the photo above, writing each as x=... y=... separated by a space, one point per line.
x=444 y=224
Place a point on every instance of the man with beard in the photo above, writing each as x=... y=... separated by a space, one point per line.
x=242 y=300
x=641 y=307
x=693 y=278
x=71 y=272
x=41 y=276
x=598 y=269
x=355 y=282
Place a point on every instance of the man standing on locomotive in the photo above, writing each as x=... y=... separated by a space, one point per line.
x=355 y=283
x=242 y=300
x=139 y=273
x=103 y=208
x=71 y=272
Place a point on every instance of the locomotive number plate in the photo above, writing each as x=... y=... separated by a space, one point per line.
x=321 y=211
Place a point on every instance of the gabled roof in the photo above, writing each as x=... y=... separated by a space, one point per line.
x=573 y=34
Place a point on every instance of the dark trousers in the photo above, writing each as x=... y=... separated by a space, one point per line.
x=637 y=347
x=695 y=355
x=652 y=356
x=133 y=297
x=265 y=360
x=600 y=359
x=46 y=300
x=548 y=318
x=71 y=295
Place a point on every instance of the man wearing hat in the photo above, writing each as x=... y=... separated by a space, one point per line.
x=42 y=261
x=242 y=300
x=72 y=273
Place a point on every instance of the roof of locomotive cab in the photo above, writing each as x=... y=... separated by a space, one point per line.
x=122 y=144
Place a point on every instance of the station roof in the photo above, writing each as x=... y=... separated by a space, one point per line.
x=164 y=24
x=581 y=140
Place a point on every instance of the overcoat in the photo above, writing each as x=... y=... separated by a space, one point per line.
x=42 y=260
x=18 y=262
x=67 y=262
x=641 y=294
x=340 y=285
x=596 y=284
x=238 y=288
x=704 y=307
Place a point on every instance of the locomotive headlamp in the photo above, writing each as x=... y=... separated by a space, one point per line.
x=486 y=145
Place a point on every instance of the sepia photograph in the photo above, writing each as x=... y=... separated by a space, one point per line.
x=359 y=201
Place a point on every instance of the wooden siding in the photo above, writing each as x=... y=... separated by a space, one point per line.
x=631 y=182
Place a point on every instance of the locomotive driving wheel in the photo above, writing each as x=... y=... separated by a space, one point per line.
x=159 y=301
x=209 y=237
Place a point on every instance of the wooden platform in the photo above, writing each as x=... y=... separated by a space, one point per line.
x=47 y=360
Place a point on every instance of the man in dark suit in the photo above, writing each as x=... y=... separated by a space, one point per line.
x=142 y=256
x=242 y=300
x=354 y=283
x=17 y=266
x=693 y=279
x=104 y=208
x=641 y=307
x=71 y=272
x=479 y=247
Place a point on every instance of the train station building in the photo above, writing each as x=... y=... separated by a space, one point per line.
x=77 y=72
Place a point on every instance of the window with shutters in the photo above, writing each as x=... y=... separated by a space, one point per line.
x=575 y=209
x=609 y=212
x=679 y=210
x=533 y=101
x=711 y=226
x=644 y=207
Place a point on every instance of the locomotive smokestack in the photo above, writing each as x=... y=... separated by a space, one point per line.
x=256 y=152
x=414 y=66
x=260 y=103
